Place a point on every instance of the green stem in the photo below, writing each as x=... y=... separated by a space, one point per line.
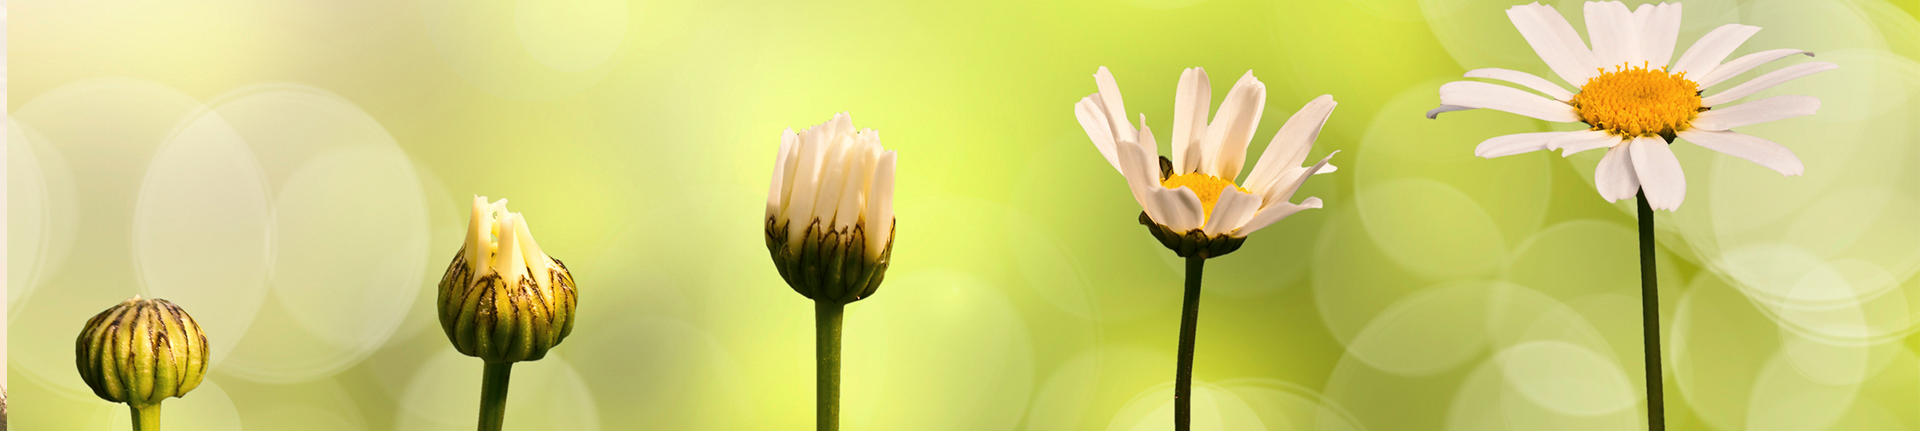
x=1189 y=325
x=1650 y=319
x=493 y=395
x=146 y=418
x=826 y=347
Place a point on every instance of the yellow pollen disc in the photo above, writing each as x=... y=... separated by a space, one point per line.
x=1208 y=187
x=1638 y=102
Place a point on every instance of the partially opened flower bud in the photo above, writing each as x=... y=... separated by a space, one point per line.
x=502 y=299
x=140 y=352
x=830 y=211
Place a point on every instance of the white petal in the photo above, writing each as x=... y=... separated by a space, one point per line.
x=1225 y=149
x=1232 y=211
x=806 y=187
x=1484 y=95
x=1614 y=177
x=1574 y=142
x=1755 y=149
x=834 y=174
x=1659 y=31
x=1744 y=64
x=860 y=163
x=1327 y=170
x=1528 y=80
x=1290 y=145
x=1615 y=37
x=1190 y=105
x=777 y=192
x=1555 y=41
x=1766 y=81
x=1435 y=112
x=1179 y=208
x=1110 y=98
x=1659 y=173
x=1093 y=117
x=1284 y=192
x=879 y=212
x=1141 y=170
x=1508 y=145
x=1758 y=111
x=1705 y=55
x=1274 y=213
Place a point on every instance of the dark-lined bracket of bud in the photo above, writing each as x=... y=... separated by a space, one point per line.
x=498 y=320
x=828 y=265
x=141 y=351
x=1193 y=243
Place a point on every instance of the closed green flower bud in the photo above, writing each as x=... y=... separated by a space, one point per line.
x=140 y=352
x=829 y=223
x=502 y=299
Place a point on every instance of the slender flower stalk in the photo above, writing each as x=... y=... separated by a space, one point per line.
x=1635 y=103
x=504 y=300
x=140 y=352
x=829 y=229
x=1190 y=202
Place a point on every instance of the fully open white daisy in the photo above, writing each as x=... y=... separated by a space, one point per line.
x=1195 y=190
x=1634 y=101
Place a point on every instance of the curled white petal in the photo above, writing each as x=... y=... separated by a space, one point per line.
x=1758 y=111
x=1752 y=148
x=1705 y=54
x=1524 y=79
x=1766 y=81
x=1498 y=97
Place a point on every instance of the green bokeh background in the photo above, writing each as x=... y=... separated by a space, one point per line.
x=162 y=148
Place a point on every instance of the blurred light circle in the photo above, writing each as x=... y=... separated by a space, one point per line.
x=666 y=373
x=1783 y=399
x=39 y=191
x=1433 y=331
x=203 y=232
x=1062 y=401
x=1578 y=257
x=1284 y=406
x=206 y=408
x=1049 y=268
x=528 y=50
x=545 y=395
x=1345 y=260
x=1567 y=378
x=978 y=377
x=571 y=35
x=1719 y=344
x=1213 y=408
x=103 y=132
x=1431 y=205
x=1431 y=228
x=350 y=230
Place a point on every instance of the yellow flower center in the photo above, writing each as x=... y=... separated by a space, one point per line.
x=1637 y=101
x=1208 y=187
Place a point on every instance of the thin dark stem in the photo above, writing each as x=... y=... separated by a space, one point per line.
x=146 y=418
x=1189 y=325
x=1650 y=319
x=826 y=346
x=493 y=395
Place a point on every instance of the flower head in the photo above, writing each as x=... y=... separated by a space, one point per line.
x=502 y=298
x=1633 y=100
x=142 y=351
x=829 y=222
x=1191 y=202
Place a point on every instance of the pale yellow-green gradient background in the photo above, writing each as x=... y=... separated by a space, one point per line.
x=295 y=174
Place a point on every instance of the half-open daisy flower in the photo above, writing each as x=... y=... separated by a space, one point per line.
x=1633 y=100
x=1192 y=197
